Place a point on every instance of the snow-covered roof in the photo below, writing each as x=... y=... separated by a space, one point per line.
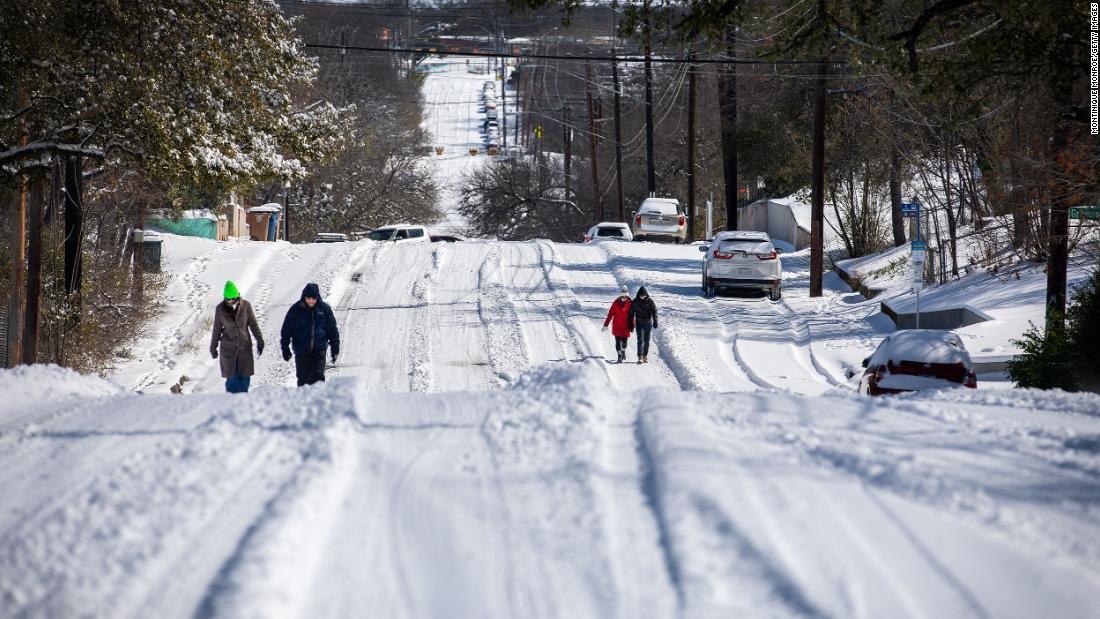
x=612 y=224
x=801 y=211
x=270 y=207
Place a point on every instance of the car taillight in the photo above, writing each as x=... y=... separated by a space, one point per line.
x=638 y=220
x=683 y=220
x=587 y=238
x=770 y=256
x=971 y=380
x=721 y=256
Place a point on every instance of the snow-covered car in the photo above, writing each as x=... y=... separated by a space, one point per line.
x=330 y=237
x=446 y=238
x=660 y=218
x=400 y=233
x=742 y=260
x=609 y=230
x=915 y=360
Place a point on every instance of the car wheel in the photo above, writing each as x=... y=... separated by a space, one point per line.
x=709 y=291
x=775 y=294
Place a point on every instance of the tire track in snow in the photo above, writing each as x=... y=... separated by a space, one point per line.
x=420 y=345
x=780 y=343
x=651 y=482
x=505 y=344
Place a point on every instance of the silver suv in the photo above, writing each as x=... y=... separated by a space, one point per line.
x=660 y=218
x=742 y=260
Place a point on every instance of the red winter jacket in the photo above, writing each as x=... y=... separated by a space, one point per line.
x=618 y=316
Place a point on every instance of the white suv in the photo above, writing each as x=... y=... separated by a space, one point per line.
x=660 y=218
x=400 y=233
x=743 y=260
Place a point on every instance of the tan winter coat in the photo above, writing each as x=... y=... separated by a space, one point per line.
x=231 y=331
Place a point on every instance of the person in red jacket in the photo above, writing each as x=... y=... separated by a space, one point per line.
x=619 y=319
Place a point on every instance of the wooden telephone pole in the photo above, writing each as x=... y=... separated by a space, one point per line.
x=817 y=185
x=593 y=143
x=691 y=150
x=618 y=137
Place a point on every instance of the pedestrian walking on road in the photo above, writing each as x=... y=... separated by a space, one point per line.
x=231 y=341
x=643 y=319
x=619 y=319
x=309 y=330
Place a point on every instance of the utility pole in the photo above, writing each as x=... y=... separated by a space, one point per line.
x=515 y=125
x=17 y=303
x=138 y=268
x=691 y=149
x=650 y=165
x=409 y=41
x=817 y=197
x=618 y=136
x=593 y=142
x=568 y=147
x=728 y=110
x=34 y=276
x=19 y=232
x=503 y=103
x=286 y=210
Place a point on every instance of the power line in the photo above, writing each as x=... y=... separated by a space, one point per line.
x=529 y=56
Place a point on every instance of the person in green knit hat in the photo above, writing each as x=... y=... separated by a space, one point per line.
x=235 y=327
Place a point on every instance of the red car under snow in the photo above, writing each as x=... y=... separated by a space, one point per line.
x=915 y=360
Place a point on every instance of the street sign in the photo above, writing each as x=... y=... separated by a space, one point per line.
x=918 y=246
x=1085 y=212
x=910 y=209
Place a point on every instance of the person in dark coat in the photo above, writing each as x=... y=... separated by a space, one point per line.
x=233 y=321
x=643 y=319
x=619 y=319
x=309 y=330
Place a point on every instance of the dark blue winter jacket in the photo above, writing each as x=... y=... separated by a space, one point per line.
x=309 y=330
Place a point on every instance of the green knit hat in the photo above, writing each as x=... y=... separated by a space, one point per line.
x=231 y=291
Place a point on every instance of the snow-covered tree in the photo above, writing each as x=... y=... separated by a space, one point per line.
x=188 y=91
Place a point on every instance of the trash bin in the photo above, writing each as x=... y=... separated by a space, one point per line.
x=151 y=250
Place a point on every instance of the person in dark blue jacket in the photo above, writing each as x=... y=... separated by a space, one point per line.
x=309 y=329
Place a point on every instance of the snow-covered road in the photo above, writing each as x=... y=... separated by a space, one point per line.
x=730 y=477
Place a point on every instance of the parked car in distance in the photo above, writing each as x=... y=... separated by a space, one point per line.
x=916 y=360
x=610 y=230
x=742 y=260
x=445 y=238
x=660 y=219
x=400 y=233
x=330 y=237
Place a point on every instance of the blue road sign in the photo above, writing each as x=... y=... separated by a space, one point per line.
x=910 y=209
x=919 y=246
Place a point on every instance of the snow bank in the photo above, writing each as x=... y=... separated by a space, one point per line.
x=27 y=387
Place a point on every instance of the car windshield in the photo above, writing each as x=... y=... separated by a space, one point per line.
x=381 y=235
x=609 y=231
x=749 y=247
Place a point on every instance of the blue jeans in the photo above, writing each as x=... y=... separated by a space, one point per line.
x=237 y=383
